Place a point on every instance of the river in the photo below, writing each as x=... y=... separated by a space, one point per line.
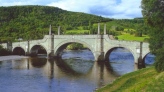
x=75 y=72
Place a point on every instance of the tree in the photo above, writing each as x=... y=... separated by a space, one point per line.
x=153 y=13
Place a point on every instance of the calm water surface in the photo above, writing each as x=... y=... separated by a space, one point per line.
x=75 y=72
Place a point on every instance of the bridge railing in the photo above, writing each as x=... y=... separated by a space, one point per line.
x=77 y=36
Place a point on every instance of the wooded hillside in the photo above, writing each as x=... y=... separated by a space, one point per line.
x=32 y=22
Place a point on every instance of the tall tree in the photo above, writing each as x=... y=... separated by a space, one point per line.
x=153 y=13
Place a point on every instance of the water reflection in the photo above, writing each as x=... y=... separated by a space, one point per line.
x=51 y=69
x=70 y=74
x=38 y=62
x=75 y=66
x=80 y=54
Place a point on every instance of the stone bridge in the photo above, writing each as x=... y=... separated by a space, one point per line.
x=100 y=45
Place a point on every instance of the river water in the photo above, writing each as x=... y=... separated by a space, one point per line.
x=75 y=72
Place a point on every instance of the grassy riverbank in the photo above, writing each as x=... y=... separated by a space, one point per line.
x=129 y=37
x=144 y=80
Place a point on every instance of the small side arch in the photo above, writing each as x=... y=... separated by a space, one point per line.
x=18 y=51
x=113 y=48
x=148 y=60
x=145 y=53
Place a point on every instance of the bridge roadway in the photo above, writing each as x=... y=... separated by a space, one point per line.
x=100 y=45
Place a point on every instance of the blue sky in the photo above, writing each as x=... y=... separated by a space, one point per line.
x=118 y=9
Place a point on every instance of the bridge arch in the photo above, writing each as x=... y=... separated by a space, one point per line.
x=35 y=49
x=59 y=48
x=18 y=51
x=150 y=61
x=113 y=48
x=145 y=54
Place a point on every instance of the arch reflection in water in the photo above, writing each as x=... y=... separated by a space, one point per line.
x=75 y=66
x=121 y=61
x=38 y=62
x=78 y=54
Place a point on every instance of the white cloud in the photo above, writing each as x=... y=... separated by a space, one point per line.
x=80 y=5
x=107 y=8
x=12 y=3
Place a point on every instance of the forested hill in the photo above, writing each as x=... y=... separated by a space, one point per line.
x=32 y=22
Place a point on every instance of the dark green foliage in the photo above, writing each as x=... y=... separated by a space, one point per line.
x=116 y=38
x=4 y=52
x=75 y=46
x=153 y=12
x=159 y=64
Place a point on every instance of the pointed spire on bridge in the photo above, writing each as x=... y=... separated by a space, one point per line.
x=104 y=29
x=58 y=30
x=50 y=29
x=98 y=28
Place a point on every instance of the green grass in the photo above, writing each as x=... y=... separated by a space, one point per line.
x=77 y=31
x=124 y=36
x=129 y=37
x=144 y=80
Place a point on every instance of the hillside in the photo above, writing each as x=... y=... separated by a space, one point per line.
x=144 y=80
x=32 y=22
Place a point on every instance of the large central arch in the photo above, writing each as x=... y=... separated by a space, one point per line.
x=58 y=49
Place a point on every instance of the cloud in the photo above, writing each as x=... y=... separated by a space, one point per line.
x=25 y=2
x=107 y=8
x=13 y=2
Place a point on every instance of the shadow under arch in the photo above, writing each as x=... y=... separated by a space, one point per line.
x=18 y=51
x=115 y=48
x=70 y=66
x=120 y=61
x=37 y=49
x=60 y=47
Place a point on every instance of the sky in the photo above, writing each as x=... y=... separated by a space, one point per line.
x=117 y=9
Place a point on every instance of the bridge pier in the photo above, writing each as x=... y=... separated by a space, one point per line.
x=141 y=63
x=28 y=48
x=99 y=56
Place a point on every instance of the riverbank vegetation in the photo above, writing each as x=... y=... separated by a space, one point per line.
x=129 y=37
x=153 y=13
x=75 y=46
x=4 y=52
x=144 y=80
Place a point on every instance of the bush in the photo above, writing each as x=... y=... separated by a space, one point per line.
x=4 y=52
x=116 y=38
x=75 y=46
x=159 y=60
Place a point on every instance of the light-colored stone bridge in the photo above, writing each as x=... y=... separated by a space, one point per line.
x=100 y=45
